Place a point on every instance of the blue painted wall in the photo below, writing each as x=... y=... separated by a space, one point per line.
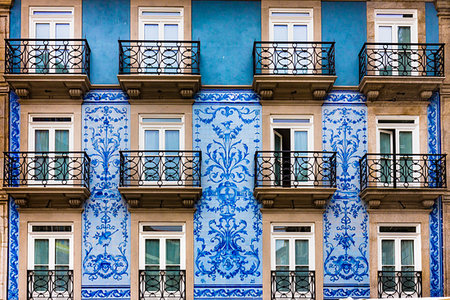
x=350 y=17
x=226 y=31
x=104 y=23
x=432 y=23
x=15 y=20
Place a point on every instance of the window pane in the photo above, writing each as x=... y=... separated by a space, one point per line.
x=385 y=142
x=301 y=141
x=151 y=140
x=161 y=120
x=407 y=250
x=172 y=140
x=41 y=252
x=385 y=34
x=42 y=30
x=62 y=31
x=62 y=140
x=151 y=32
x=282 y=252
x=405 y=138
x=62 y=252
x=41 y=140
x=171 y=32
x=173 y=252
x=152 y=252
x=280 y=33
x=168 y=228
x=290 y=14
x=404 y=34
x=301 y=252
x=300 y=33
x=387 y=252
x=161 y=13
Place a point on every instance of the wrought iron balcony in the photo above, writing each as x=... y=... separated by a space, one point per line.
x=399 y=284
x=42 y=56
x=294 y=176
x=46 y=169
x=293 y=58
x=162 y=284
x=388 y=59
x=159 y=57
x=293 y=285
x=49 y=285
x=153 y=175
x=402 y=177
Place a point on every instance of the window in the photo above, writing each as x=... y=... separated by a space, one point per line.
x=397 y=27
x=48 y=23
x=162 y=261
x=50 y=138
x=162 y=137
x=50 y=259
x=397 y=140
x=292 y=258
x=292 y=138
x=398 y=257
x=294 y=25
x=161 y=23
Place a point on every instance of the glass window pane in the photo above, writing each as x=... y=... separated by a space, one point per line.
x=385 y=34
x=172 y=140
x=62 y=31
x=42 y=30
x=161 y=120
x=301 y=141
x=300 y=33
x=41 y=252
x=385 y=142
x=405 y=139
x=171 y=32
x=152 y=252
x=301 y=252
x=62 y=251
x=151 y=140
x=407 y=252
x=151 y=32
x=282 y=252
x=280 y=33
x=161 y=13
x=290 y=14
x=388 y=252
x=173 y=252
x=62 y=140
x=404 y=34
x=41 y=140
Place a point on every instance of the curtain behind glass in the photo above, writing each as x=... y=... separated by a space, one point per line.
x=41 y=144
x=172 y=160
x=302 y=161
x=152 y=161
x=61 y=167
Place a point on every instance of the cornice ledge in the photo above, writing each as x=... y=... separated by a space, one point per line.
x=442 y=7
x=6 y=4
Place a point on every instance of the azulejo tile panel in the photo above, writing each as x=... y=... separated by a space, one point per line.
x=227 y=223
x=436 y=228
x=106 y=251
x=346 y=239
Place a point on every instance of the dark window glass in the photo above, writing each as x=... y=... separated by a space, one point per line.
x=168 y=228
x=292 y=229
x=51 y=228
x=395 y=229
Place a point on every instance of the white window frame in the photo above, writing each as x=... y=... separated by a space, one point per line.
x=52 y=19
x=397 y=237
x=292 y=236
x=161 y=20
x=162 y=236
x=413 y=127
x=161 y=127
x=290 y=21
x=51 y=236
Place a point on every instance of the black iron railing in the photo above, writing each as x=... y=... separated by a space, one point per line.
x=48 y=285
x=295 y=169
x=159 y=57
x=46 y=169
x=387 y=170
x=160 y=168
x=293 y=285
x=382 y=59
x=293 y=58
x=162 y=284
x=41 y=56
x=399 y=284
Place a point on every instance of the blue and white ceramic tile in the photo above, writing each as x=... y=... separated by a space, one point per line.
x=227 y=129
x=346 y=240
x=106 y=249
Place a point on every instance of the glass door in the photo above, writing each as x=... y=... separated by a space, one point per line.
x=303 y=170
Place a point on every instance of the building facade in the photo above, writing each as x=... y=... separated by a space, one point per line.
x=197 y=149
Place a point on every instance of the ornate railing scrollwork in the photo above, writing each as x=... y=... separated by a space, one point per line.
x=46 y=169
x=295 y=169
x=399 y=284
x=162 y=284
x=293 y=285
x=159 y=57
x=293 y=58
x=388 y=170
x=389 y=59
x=41 y=56
x=160 y=168
x=49 y=285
